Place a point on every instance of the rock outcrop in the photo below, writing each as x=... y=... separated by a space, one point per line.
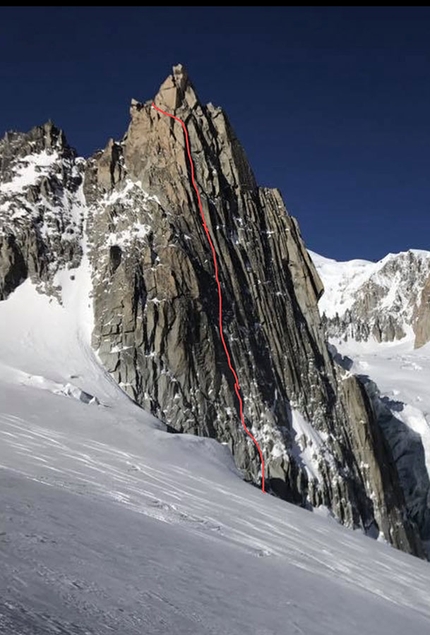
x=409 y=456
x=156 y=308
x=40 y=208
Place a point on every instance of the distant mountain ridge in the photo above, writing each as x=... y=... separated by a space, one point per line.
x=386 y=301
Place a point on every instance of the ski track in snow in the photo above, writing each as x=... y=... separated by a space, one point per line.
x=224 y=510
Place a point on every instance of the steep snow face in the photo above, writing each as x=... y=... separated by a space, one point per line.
x=379 y=301
x=341 y=282
x=110 y=524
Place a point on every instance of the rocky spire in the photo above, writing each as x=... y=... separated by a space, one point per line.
x=157 y=328
x=176 y=91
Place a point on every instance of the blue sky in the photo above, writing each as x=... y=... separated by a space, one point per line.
x=331 y=104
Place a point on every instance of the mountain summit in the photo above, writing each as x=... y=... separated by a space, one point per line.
x=130 y=211
x=176 y=91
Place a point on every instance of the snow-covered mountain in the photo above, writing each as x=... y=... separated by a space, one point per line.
x=377 y=316
x=384 y=301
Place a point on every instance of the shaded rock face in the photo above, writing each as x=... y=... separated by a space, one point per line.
x=156 y=315
x=40 y=207
x=409 y=456
x=421 y=318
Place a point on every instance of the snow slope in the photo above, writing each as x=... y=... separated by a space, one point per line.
x=109 y=524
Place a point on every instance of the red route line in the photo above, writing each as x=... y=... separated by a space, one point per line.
x=215 y=261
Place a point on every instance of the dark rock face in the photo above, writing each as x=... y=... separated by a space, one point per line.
x=156 y=314
x=409 y=457
x=156 y=305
